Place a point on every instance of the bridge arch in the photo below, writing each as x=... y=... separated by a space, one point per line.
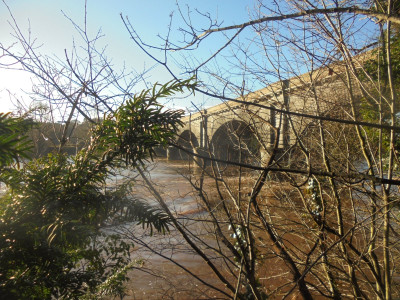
x=188 y=140
x=236 y=141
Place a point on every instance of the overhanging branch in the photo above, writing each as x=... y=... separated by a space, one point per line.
x=308 y=12
x=303 y=13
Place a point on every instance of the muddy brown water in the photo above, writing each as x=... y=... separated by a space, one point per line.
x=158 y=273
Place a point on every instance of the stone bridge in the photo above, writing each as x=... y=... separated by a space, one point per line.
x=247 y=129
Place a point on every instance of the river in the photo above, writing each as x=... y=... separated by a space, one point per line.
x=158 y=274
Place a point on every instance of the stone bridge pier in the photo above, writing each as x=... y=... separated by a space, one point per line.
x=246 y=129
x=234 y=131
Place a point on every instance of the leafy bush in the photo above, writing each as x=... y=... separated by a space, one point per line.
x=52 y=214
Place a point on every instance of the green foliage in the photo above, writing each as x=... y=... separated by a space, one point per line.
x=52 y=244
x=108 y=287
x=371 y=113
x=123 y=207
x=49 y=226
x=138 y=127
x=377 y=66
x=375 y=107
x=13 y=143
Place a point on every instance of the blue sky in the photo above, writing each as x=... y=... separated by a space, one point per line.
x=54 y=31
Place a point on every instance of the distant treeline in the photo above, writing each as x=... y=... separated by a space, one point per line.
x=46 y=137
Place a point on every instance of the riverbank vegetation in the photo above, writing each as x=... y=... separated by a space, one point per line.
x=309 y=210
x=54 y=208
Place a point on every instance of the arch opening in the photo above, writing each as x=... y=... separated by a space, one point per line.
x=236 y=141
x=187 y=140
